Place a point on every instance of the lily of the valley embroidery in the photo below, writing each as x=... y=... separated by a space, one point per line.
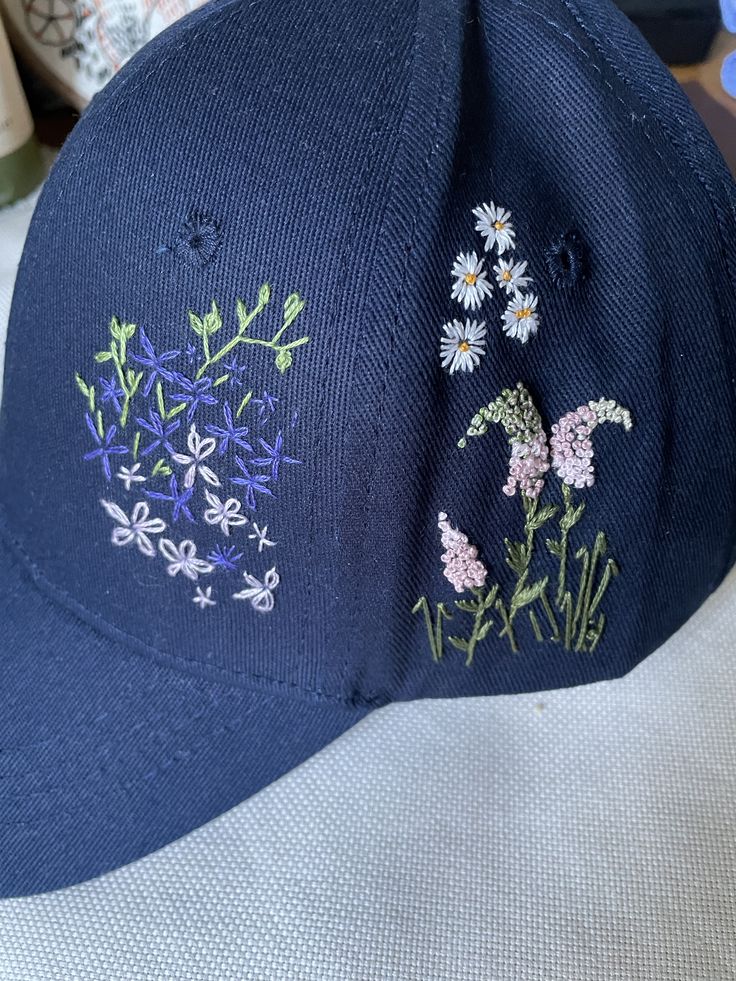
x=181 y=442
x=463 y=342
x=565 y=608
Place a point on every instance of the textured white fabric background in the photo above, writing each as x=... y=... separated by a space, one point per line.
x=579 y=835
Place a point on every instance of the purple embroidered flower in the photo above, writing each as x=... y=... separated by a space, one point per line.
x=156 y=363
x=527 y=465
x=161 y=433
x=104 y=448
x=194 y=393
x=112 y=392
x=225 y=558
x=235 y=370
x=572 y=447
x=179 y=500
x=463 y=568
x=253 y=484
x=275 y=456
x=191 y=353
x=266 y=406
x=230 y=433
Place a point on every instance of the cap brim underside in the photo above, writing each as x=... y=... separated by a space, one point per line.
x=106 y=755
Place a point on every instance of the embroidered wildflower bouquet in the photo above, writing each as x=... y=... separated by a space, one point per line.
x=182 y=439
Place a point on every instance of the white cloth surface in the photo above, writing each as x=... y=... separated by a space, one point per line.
x=578 y=835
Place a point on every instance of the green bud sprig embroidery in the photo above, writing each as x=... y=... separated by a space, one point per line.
x=565 y=609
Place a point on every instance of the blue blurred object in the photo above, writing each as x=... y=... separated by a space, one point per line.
x=728 y=13
x=728 y=73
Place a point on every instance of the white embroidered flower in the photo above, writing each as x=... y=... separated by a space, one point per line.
x=462 y=345
x=510 y=275
x=520 y=318
x=136 y=528
x=495 y=226
x=260 y=534
x=471 y=281
x=260 y=594
x=226 y=514
x=199 y=450
x=203 y=597
x=131 y=476
x=183 y=559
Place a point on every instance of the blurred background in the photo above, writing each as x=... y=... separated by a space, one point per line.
x=64 y=51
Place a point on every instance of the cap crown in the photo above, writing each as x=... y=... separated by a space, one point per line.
x=252 y=231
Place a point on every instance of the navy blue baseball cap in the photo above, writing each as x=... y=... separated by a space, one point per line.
x=359 y=353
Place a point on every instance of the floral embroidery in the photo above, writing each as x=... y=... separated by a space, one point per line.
x=259 y=594
x=567 y=610
x=165 y=424
x=462 y=345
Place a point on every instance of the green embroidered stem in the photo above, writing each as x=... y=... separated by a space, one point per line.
x=98 y=423
x=599 y=549
x=118 y=353
x=597 y=632
x=508 y=630
x=220 y=380
x=243 y=404
x=161 y=467
x=481 y=626
x=552 y=619
x=609 y=572
x=434 y=631
x=583 y=555
x=136 y=445
x=176 y=410
x=535 y=626
x=88 y=391
x=567 y=610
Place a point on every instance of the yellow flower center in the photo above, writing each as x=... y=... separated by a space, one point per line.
x=524 y=312
x=470 y=278
x=499 y=226
x=506 y=276
x=463 y=346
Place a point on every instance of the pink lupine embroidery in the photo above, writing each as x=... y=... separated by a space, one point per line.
x=462 y=566
x=561 y=604
x=572 y=447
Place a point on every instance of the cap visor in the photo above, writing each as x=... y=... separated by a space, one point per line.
x=106 y=755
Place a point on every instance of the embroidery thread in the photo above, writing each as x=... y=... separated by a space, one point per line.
x=568 y=609
x=163 y=426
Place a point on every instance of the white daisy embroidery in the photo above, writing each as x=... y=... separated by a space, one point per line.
x=495 y=226
x=520 y=319
x=199 y=450
x=203 y=597
x=260 y=534
x=135 y=529
x=471 y=281
x=183 y=559
x=462 y=345
x=510 y=275
x=226 y=514
x=130 y=476
x=259 y=594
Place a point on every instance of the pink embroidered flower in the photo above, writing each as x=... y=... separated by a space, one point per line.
x=527 y=465
x=529 y=460
x=572 y=447
x=462 y=565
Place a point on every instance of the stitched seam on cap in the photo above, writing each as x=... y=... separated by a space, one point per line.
x=137 y=646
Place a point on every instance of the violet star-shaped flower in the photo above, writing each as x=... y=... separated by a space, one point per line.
x=179 y=500
x=161 y=433
x=112 y=392
x=275 y=456
x=235 y=370
x=156 y=363
x=266 y=406
x=252 y=483
x=191 y=353
x=104 y=448
x=225 y=558
x=194 y=393
x=230 y=433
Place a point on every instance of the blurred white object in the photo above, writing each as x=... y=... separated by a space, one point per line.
x=78 y=45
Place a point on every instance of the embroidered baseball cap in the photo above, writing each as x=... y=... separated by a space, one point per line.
x=359 y=353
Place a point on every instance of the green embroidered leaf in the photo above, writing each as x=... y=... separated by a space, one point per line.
x=264 y=295
x=284 y=360
x=571 y=517
x=242 y=312
x=459 y=643
x=293 y=306
x=212 y=320
x=128 y=330
x=102 y=356
x=220 y=380
x=517 y=557
x=554 y=547
x=485 y=630
x=116 y=328
x=130 y=376
x=82 y=385
x=196 y=324
x=466 y=606
x=528 y=594
x=542 y=516
x=243 y=404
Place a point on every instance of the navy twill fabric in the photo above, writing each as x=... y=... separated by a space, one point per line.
x=341 y=149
